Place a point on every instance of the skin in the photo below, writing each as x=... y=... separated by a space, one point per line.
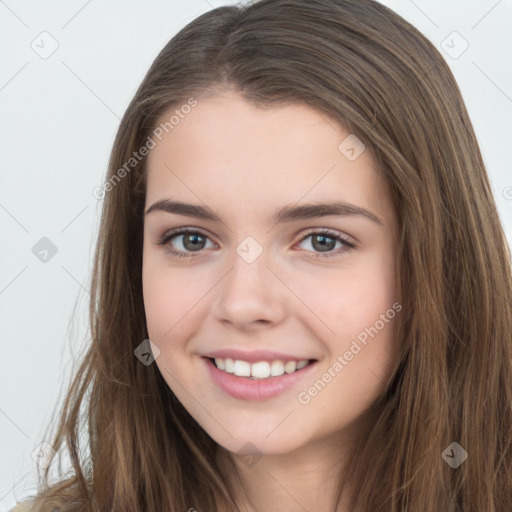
x=245 y=162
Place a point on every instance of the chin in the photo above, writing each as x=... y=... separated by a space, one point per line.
x=257 y=439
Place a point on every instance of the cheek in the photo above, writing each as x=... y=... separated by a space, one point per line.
x=173 y=312
x=361 y=358
x=351 y=298
x=364 y=318
x=171 y=299
x=356 y=304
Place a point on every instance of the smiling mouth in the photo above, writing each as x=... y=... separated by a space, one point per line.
x=260 y=370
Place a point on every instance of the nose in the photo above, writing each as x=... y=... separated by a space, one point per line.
x=251 y=296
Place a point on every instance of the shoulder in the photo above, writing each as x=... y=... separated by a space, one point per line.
x=25 y=506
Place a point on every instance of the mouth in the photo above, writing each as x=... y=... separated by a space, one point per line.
x=259 y=380
x=259 y=370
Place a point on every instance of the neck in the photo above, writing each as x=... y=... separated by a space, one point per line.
x=305 y=479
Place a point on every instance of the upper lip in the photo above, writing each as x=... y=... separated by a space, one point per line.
x=254 y=356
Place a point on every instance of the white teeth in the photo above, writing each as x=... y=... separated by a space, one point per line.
x=301 y=364
x=276 y=368
x=229 y=365
x=290 y=366
x=259 y=370
x=242 y=368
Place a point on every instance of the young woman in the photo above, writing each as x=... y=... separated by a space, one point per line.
x=301 y=286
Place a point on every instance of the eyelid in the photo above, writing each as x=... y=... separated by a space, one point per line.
x=168 y=235
x=329 y=232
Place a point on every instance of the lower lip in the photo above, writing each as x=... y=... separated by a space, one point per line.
x=258 y=389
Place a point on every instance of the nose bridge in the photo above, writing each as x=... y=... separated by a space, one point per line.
x=250 y=292
x=250 y=278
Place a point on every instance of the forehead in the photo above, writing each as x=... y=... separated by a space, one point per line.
x=232 y=153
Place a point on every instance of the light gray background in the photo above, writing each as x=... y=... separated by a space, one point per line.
x=59 y=117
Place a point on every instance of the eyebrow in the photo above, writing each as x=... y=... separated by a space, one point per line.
x=285 y=214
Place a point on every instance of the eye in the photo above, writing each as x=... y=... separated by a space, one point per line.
x=191 y=241
x=324 y=242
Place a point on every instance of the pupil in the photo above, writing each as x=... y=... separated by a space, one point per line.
x=195 y=241
x=323 y=246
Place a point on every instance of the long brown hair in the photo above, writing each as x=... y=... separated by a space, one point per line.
x=366 y=68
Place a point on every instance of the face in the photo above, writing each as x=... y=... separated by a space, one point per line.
x=273 y=315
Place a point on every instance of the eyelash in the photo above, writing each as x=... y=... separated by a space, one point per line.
x=164 y=241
